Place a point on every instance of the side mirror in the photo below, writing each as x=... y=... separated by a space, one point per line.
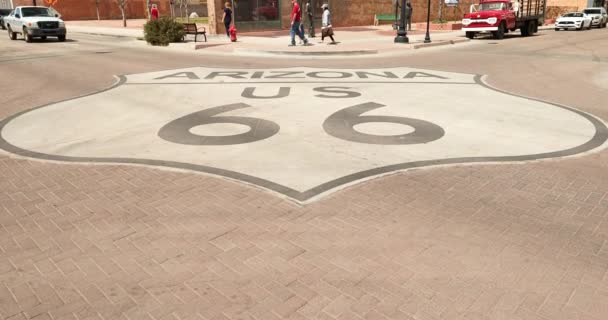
x=18 y=16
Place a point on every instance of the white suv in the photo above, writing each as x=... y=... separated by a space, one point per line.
x=598 y=15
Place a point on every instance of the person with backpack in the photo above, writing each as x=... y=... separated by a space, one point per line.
x=327 y=29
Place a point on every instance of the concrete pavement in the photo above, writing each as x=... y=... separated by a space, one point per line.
x=353 y=41
x=350 y=41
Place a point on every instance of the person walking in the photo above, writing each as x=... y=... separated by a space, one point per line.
x=154 y=12
x=327 y=29
x=408 y=15
x=227 y=17
x=296 y=18
x=311 y=22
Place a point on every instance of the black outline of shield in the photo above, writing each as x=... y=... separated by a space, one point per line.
x=600 y=137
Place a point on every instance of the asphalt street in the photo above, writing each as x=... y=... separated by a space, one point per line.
x=466 y=181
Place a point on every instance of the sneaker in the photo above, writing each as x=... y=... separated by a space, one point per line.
x=291 y=45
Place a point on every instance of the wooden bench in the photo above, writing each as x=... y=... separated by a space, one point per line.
x=191 y=28
x=384 y=17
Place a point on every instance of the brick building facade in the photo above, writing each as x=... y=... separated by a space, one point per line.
x=356 y=12
x=108 y=9
x=275 y=14
x=344 y=12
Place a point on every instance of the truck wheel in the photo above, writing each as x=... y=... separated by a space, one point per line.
x=530 y=26
x=556 y=29
x=61 y=38
x=26 y=36
x=500 y=34
x=525 y=30
x=11 y=34
x=470 y=34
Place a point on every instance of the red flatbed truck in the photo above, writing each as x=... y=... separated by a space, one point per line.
x=503 y=16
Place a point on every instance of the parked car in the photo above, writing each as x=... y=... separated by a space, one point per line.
x=35 y=22
x=4 y=13
x=573 y=20
x=599 y=18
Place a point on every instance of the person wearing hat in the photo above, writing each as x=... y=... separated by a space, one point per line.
x=327 y=30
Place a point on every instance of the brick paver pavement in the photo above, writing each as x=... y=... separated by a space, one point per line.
x=479 y=242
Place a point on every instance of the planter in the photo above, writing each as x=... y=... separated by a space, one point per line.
x=440 y=26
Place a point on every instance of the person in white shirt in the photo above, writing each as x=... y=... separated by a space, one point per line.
x=327 y=29
x=515 y=6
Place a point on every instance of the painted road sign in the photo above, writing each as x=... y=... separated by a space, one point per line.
x=301 y=132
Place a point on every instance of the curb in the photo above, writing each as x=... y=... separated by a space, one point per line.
x=305 y=53
x=105 y=34
x=440 y=43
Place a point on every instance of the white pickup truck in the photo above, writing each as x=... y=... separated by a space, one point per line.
x=34 y=22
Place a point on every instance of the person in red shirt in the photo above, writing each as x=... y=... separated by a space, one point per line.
x=154 y=12
x=296 y=17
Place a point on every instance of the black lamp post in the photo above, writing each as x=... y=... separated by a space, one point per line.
x=312 y=22
x=427 y=38
x=401 y=32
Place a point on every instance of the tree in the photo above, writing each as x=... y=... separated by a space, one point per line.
x=148 y=6
x=97 y=8
x=122 y=4
x=184 y=4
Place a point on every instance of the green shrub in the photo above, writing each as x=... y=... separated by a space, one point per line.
x=163 y=31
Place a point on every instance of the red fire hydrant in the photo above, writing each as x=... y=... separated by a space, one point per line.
x=232 y=31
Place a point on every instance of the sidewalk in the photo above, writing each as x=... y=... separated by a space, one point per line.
x=351 y=41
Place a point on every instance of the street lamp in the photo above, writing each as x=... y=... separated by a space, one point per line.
x=427 y=38
x=401 y=32
x=311 y=32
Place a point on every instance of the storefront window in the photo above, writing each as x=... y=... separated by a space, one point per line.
x=256 y=10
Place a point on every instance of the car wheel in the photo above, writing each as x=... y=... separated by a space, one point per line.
x=26 y=36
x=61 y=38
x=470 y=34
x=11 y=34
x=589 y=28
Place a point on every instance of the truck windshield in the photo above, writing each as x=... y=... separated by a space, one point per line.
x=592 y=11
x=35 y=12
x=492 y=6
